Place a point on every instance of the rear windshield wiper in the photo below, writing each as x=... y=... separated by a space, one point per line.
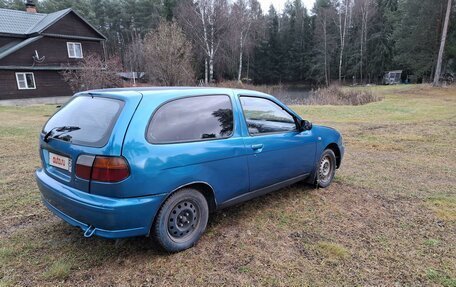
x=61 y=130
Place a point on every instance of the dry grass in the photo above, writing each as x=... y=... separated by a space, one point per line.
x=335 y=95
x=387 y=220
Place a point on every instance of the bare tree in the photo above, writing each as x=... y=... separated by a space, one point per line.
x=343 y=9
x=365 y=7
x=168 y=56
x=322 y=31
x=442 y=45
x=325 y=35
x=205 y=21
x=242 y=17
x=94 y=73
x=134 y=55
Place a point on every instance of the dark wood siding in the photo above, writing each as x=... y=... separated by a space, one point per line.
x=5 y=40
x=48 y=84
x=72 y=25
x=55 y=51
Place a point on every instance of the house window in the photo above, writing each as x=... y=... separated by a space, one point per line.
x=74 y=50
x=25 y=81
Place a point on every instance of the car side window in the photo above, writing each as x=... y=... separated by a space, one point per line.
x=192 y=119
x=264 y=116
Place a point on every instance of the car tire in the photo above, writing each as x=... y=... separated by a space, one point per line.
x=181 y=221
x=326 y=169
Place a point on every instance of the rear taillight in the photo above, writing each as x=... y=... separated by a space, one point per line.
x=102 y=168
x=110 y=169
x=84 y=166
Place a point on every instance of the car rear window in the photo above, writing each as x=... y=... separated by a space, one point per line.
x=94 y=116
x=192 y=119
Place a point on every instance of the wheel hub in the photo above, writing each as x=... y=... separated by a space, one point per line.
x=183 y=219
x=325 y=168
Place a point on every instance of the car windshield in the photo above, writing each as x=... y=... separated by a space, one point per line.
x=94 y=116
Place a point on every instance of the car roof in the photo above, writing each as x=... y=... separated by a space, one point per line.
x=146 y=91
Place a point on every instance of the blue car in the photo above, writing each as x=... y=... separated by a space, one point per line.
x=157 y=161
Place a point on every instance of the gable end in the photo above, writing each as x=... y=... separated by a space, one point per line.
x=73 y=25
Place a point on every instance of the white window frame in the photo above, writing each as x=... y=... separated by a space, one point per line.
x=70 y=47
x=25 y=81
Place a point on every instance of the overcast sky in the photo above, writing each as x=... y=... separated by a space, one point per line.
x=278 y=4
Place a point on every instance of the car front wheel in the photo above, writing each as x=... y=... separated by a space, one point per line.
x=181 y=220
x=326 y=169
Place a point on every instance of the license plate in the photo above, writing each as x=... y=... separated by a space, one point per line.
x=59 y=161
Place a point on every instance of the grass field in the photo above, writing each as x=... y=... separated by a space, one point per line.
x=389 y=218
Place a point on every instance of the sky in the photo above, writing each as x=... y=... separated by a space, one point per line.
x=279 y=4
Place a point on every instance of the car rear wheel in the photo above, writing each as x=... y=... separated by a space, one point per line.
x=181 y=221
x=326 y=169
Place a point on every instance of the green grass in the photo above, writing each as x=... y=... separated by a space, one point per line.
x=58 y=270
x=441 y=278
x=388 y=219
x=333 y=250
x=444 y=207
x=432 y=242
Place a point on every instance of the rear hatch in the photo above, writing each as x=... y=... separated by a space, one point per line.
x=89 y=124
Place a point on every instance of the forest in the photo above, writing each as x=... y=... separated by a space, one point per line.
x=344 y=41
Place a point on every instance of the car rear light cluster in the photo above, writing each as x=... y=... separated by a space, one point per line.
x=102 y=168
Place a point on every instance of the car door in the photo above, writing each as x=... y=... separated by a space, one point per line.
x=277 y=150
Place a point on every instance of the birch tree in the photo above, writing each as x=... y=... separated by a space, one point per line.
x=365 y=6
x=343 y=9
x=205 y=21
x=325 y=32
x=442 y=45
x=242 y=17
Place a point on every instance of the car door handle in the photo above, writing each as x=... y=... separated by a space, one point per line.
x=257 y=146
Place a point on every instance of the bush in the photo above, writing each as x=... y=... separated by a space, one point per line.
x=335 y=95
x=94 y=73
x=168 y=56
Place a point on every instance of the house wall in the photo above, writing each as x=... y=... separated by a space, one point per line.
x=55 y=51
x=5 y=40
x=48 y=84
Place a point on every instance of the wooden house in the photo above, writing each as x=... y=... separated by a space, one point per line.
x=35 y=49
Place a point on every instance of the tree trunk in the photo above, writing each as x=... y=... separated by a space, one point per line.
x=241 y=48
x=212 y=52
x=361 y=55
x=211 y=68
x=206 y=71
x=365 y=38
x=207 y=47
x=438 y=69
x=326 y=60
x=342 y=32
x=364 y=8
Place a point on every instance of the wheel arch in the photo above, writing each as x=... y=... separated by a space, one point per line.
x=201 y=186
x=335 y=148
x=204 y=188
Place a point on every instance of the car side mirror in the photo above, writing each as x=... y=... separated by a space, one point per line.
x=305 y=125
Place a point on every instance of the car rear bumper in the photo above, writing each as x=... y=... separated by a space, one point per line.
x=99 y=215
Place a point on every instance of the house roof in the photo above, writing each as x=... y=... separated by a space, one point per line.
x=16 y=45
x=21 y=23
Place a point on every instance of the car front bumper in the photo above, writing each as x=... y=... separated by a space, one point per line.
x=99 y=215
